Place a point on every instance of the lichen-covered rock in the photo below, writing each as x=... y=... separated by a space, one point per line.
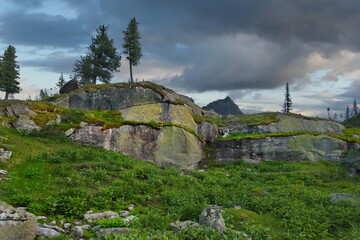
x=212 y=217
x=18 y=109
x=290 y=148
x=161 y=112
x=352 y=161
x=208 y=130
x=181 y=225
x=24 y=123
x=287 y=123
x=4 y=156
x=166 y=146
x=47 y=232
x=177 y=147
x=98 y=216
x=16 y=224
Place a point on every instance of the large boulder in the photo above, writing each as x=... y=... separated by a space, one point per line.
x=166 y=146
x=212 y=217
x=224 y=106
x=352 y=161
x=69 y=86
x=286 y=123
x=25 y=123
x=16 y=224
x=289 y=148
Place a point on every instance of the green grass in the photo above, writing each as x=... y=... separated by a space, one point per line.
x=279 y=200
x=258 y=118
x=353 y=122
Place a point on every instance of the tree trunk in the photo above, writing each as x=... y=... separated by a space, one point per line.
x=6 y=96
x=94 y=80
x=131 y=75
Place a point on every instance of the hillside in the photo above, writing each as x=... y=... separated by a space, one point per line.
x=56 y=172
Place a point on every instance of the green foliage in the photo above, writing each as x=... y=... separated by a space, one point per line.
x=353 y=122
x=241 y=135
x=61 y=81
x=101 y=60
x=287 y=107
x=72 y=116
x=258 y=118
x=9 y=72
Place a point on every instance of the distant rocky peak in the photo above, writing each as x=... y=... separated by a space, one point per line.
x=224 y=106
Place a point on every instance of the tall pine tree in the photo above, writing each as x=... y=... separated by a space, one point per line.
x=354 y=111
x=9 y=72
x=101 y=60
x=347 y=112
x=132 y=45
x=61 y=81
x=287 y=107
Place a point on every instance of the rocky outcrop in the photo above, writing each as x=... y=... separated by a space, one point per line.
x=208 y=130
x=290 y=148
x=69 y=86
x=287 y=123
x=352 y=161
x=224 y=106
x=166 y=146
x=16 y=224
x=212 y=217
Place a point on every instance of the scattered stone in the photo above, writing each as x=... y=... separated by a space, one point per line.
x=22 y=208
x=90 y=212
x=181 y=225
x=124 y=214
x=106 y=231
x=47 y=232
x=130 y=219
x=5 y=155
x=131 y=207
x=69 y=132
x=56 y=228
x=67 y=225
x=87 y=227
x=41 y=218
x=98 y=216
x=201 y=171
x=3 y=172
x=77 y=223
x=53 y=223
x=212 y=217
x=97 y=227
x=237 y=207
x=78 y=231
x=337 y=197
x=244 y=234
x=16 y=224
x=25 y=124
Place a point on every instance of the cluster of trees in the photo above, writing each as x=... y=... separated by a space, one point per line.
x=353 y=112
x=102 y=58
x=9 y=72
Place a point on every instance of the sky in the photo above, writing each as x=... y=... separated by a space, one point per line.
x=205 y=49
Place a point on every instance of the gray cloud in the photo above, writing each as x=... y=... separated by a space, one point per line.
x=221 y=45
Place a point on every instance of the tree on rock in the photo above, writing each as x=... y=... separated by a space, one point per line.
x=132 y=45
x=9 y=72
x=287 y=107
x=101 y=60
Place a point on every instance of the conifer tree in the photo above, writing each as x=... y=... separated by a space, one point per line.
x=354 y=111
x=347 y=112
x=101 y=60
x=61 y=81
x=287 y=107
x=9 y=72
x=132 y=46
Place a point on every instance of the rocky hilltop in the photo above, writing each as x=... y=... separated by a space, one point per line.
x=154 y=124
x=224 y=106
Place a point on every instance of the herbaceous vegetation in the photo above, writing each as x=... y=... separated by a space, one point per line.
x=275 y=200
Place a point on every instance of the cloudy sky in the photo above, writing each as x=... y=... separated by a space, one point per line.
x=206 y=49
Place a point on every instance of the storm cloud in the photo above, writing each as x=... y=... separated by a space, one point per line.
x=218 y=45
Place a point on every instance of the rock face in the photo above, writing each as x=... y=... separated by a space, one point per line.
x=69 y=86
x=166 y=146
x=352 y=161
x=224 y=106
x=290 y=148
x=16 y=224
x=287 y=124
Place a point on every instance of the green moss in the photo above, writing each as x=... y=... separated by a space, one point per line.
x=351 y=130
x=42 y=118
x=258 y=118
x=6 y=103
x=8 y=120
x=241 y=135
x=177 y=101
x=41 y=106
x=198 y=118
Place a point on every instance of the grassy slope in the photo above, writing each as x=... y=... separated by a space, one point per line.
x=279 y=200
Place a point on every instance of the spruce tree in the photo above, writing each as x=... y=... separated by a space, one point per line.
x=9 y=72
x=354 y=111
x=61 y=81
x=287 y=107
x=132 y=45
x=347 y=112
x=101 y=60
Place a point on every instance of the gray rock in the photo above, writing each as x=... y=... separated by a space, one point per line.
x=286 y=123
x=352 y=160
x=16 y=110
x=78 y=231
x=24 y=123
x=52 y=223
x=290 y=148
x=337 y=197
x=99 y=216
x=181 y=225
x=208 y=130
x=67 y=225
x=16 y=224
x=46 y=232
x=224 y=106
x=3 y=173
x=212 y=217
x=87 y=227
x=5 y=155
x=56 y=228
x=69 y=86
x=41 y=218
x=124 y=214
x=106 y=231
x=69 y=132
